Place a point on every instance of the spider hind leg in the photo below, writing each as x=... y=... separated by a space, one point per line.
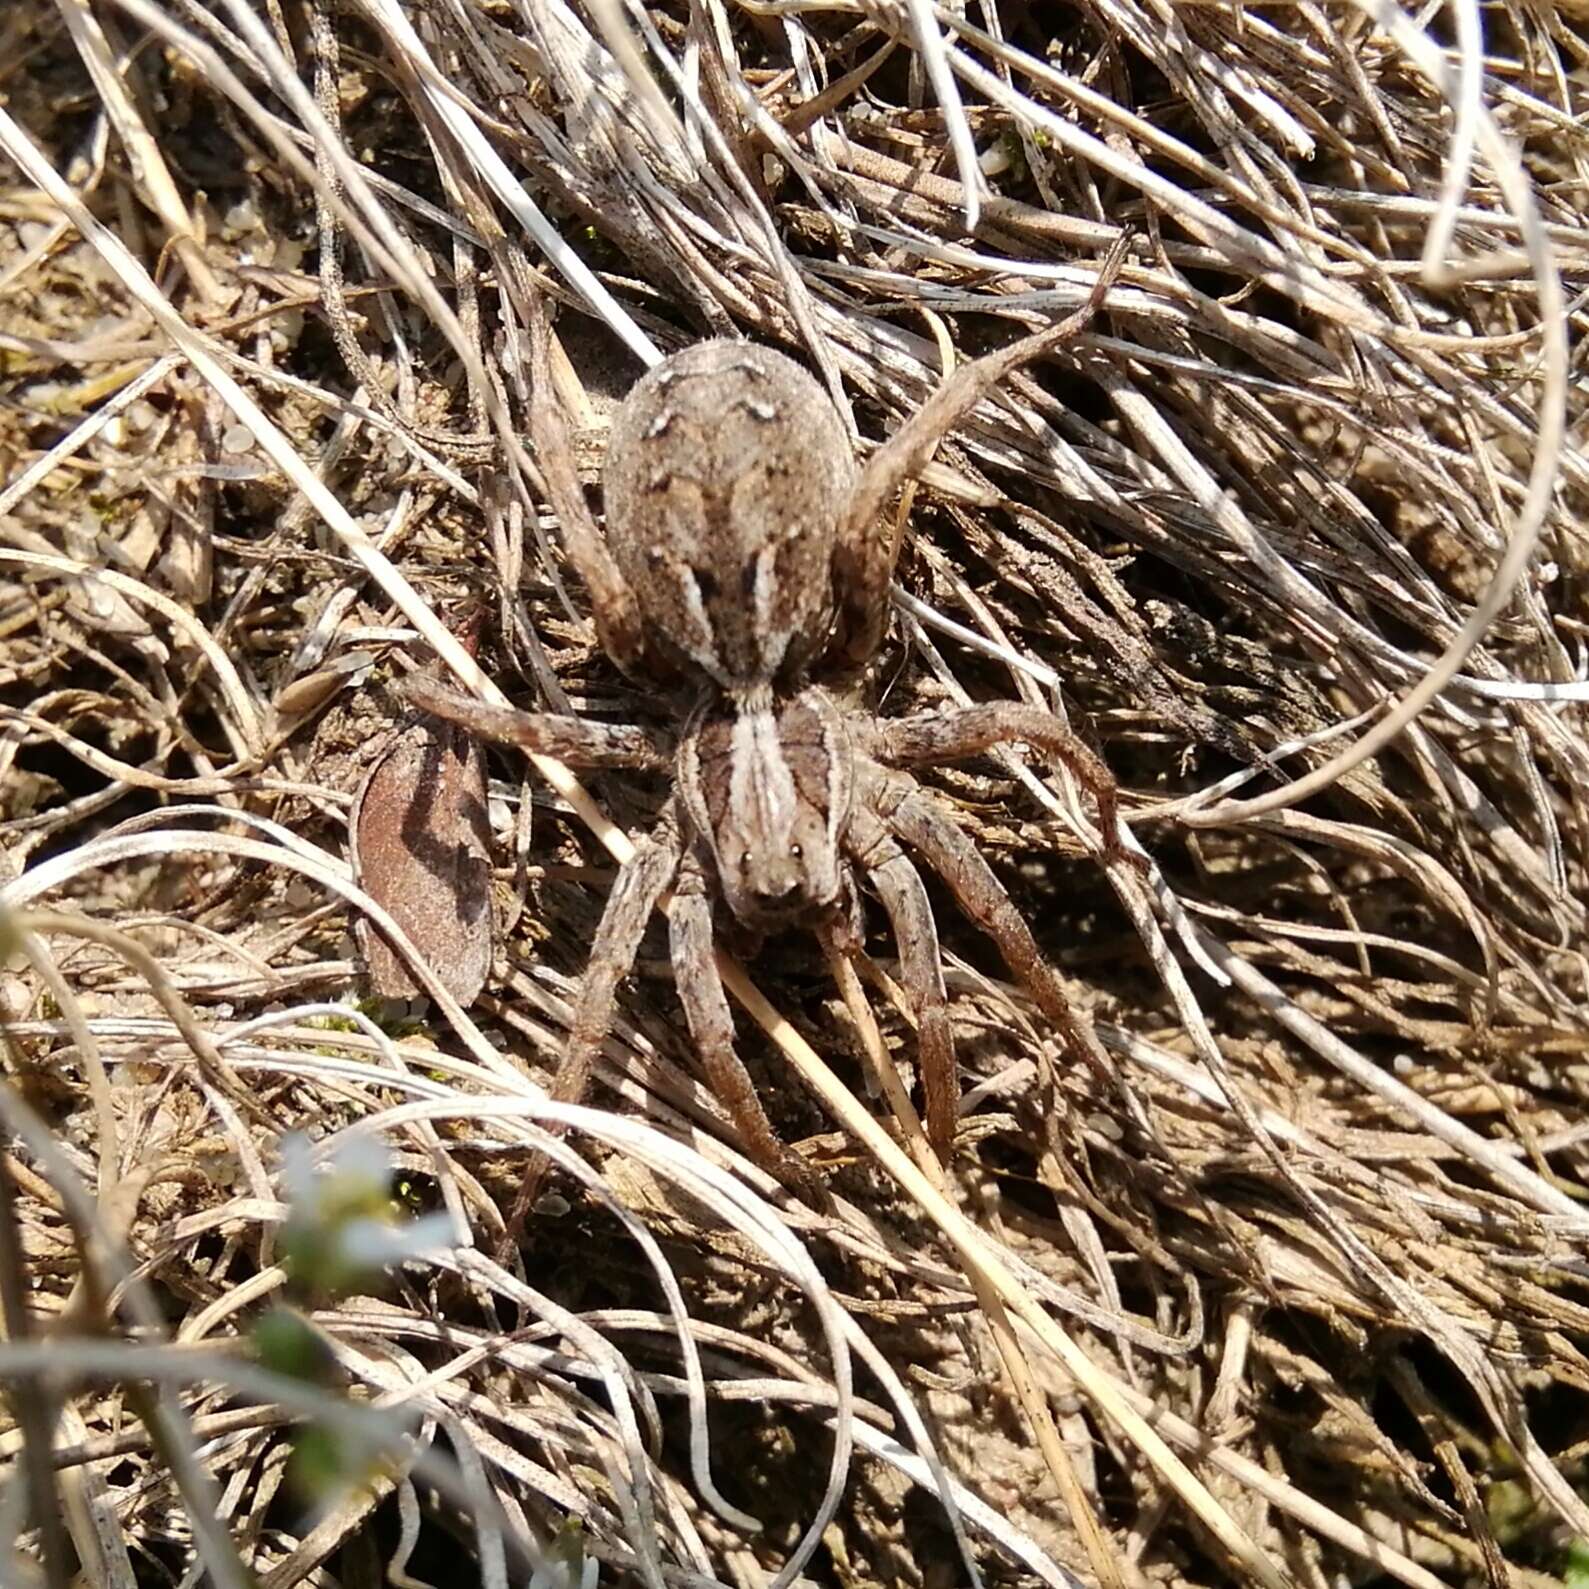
x=620 y=626
x=934 y=835
x=865 y=553
x=640 y=884
x=711 y=1026
x=904 y=897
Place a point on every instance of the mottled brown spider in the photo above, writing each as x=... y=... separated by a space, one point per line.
x=743 y=552
x=850 y=807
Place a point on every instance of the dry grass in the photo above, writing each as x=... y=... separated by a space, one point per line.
x=1297 y=1295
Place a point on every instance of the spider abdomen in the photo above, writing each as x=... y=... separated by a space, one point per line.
x=727 y=472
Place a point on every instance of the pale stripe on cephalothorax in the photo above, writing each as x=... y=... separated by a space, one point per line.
x=761 y=790
x=838 y=764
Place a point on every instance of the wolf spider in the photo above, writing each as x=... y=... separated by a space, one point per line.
x=741 y=553
x=852 y=807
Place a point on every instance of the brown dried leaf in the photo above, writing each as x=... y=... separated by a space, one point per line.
x=421 y=847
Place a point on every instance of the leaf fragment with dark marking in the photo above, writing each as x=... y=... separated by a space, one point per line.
x=421 y=847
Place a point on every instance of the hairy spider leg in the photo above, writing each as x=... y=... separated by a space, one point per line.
x=865 y=553
x=575 y=740
x=711 y=1023
x=640 y=884
x=619 y=625
x=904 y=897
x=970 y=730
x=935 y=835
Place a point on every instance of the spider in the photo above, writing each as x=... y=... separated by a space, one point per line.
x=851 y=807
x=741 y=556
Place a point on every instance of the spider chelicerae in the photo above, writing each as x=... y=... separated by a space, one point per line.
x=743 y=561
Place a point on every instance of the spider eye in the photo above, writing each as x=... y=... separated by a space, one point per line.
x=796 y=851
x=744 y=859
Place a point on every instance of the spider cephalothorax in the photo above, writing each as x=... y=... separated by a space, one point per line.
x=767 y=786
x=743 y=552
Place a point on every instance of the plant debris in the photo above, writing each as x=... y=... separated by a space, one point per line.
x=419 y=840
x=1295 y=1291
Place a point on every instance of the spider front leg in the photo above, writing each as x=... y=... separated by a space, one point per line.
x=937 y=838
x=904 y=897
x=616 y=610
x=574 y=740
x=971 y=730
x=712 y=1026
x=640 y=884
x=865 y=553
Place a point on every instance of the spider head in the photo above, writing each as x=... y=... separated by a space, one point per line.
x=767 y=786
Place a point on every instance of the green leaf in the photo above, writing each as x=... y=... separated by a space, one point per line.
x=1575 y=1575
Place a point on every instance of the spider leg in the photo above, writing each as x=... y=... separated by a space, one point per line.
x=572 y=739
x=712 y=1027
x=953 y=736
x=619 y=625
x=640 y=884
x=864 y=556
x=938 y=839
x=904 y=897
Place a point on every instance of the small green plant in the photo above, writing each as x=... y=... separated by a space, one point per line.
x=1575 y=1574
x=566 y=1565
x=343 y=1228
